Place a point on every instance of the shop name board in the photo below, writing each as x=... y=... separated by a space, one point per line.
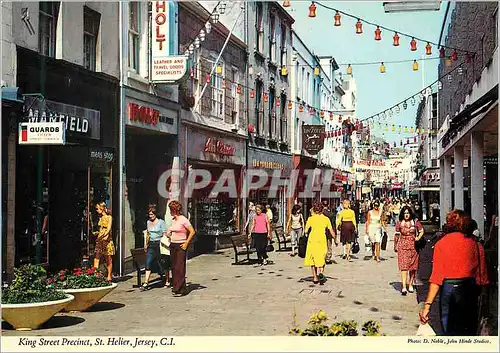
x=313 y=138
x=46 y=133
x=101 y=155
x=78 y=121
x=218 y=147
x=267 y=164
x=147 y=115
x=165 y=68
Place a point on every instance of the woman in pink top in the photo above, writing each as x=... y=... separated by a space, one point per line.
x=261 y=231
x=181 y=234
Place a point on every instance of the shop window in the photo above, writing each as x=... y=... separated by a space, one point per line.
x=91 y=21
x=272 y=114
x=283 y=58
x=134 y=8
x=49 y=12
x=259 y=28
x=259 y=108
x=218 y=94
x=272 y=39
x=283 y=119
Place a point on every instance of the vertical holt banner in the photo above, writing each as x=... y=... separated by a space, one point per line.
x=313 y=138
x=164 y=67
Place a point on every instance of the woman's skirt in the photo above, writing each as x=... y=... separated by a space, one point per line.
x=407 y=259
x=375 y=234
x=347 y=232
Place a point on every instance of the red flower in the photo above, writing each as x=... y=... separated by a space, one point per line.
x=50 y=281
x=62 y=278
x=90 y=271
x=62 y=272
x=76 y=270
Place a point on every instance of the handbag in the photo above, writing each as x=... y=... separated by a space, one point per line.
x=269 y=248
x=355 y=247
x=383 y=244
x=302 y=247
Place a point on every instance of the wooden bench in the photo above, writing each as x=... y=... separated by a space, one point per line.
x=139 y=261
x=241 y=247
x=282 y=239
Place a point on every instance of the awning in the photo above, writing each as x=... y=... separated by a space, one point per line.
x=10 y=94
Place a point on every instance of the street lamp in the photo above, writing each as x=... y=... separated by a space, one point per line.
x=222 y=7
x=191 y=49
x=215 y=17
x=208 y=27
x=202 y=35
x=197 y=43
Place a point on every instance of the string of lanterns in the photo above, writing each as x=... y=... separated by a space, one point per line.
x=378 y=31
x=218 y=10
x=238 y=88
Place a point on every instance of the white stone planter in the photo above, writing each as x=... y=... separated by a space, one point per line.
x=86 y=297
x=27 y=317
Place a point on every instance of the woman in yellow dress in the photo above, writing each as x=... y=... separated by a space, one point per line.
x=104 y=244
x=346 y=224
x=317 y=246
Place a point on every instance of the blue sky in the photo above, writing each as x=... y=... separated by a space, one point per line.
x=375 y=91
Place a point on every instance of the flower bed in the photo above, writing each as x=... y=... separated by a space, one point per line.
x=88 y=286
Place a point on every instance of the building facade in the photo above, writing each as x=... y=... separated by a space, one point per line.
x=214 y=120
x=149 y=118
x=64 y=59
x=468 y=112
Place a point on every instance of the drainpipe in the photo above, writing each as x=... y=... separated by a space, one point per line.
x=247 y=105
x=121 y=158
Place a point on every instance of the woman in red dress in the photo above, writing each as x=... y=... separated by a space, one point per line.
x=408 y=231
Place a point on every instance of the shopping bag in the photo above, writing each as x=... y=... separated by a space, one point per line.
x=302 y=247
x=355 y=247
x=368 y=245
x=425 y=330
x=383 y=245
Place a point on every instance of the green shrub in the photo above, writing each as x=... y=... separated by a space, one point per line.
x=30 y=286
x=317 y=327
x=78 y=278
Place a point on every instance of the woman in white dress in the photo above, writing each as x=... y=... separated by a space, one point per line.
x=375 y=225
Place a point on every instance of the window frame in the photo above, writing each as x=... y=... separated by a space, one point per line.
x=51 y=37
x=259 y=28
x=216 y=86
x=259 y=107
x=283 y=56
x=272 y=113
x=235 y=77
x=95 y=17
x=134 y=38
x=272 y=38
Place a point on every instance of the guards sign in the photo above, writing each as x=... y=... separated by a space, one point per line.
x=53 y=133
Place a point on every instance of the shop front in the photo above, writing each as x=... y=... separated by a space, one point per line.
x=270 y=162
x=151 y=127
x=305 y=195
x=215 y=217
x=57 y=186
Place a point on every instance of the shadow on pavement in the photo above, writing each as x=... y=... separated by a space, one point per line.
x=194 y=286
x=105 y=306
x=58 y=321
x=398 y=286
x=122 y=279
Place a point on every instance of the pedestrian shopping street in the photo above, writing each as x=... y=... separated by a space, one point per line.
x=247 y=300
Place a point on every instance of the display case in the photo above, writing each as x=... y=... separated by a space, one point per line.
x=215 y=217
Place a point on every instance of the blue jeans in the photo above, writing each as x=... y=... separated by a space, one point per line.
x=459 y=303
x=153 y=257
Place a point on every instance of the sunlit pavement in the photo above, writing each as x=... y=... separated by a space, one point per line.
x=250 y=300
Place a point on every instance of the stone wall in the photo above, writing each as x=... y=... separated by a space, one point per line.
x=472 y=27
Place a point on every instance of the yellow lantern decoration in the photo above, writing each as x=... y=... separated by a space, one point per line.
x=218 y=70
x=406 y=129
x=393 y=128
x=417 y=131
x=415 y=65
x=386 y=127
x=284 y=71
x=447 y=62
x=349 y=69
x=412 y=130
x=382 y=68
x=316 y=71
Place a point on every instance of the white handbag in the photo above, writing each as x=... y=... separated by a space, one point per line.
x=425 y=330
x=165 y=245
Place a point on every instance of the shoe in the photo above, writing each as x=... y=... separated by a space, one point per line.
x=144 y=287
x=315 y=282
x=329 y=262
x=344 y=257
x=265 y=262
x=410 y=289
x=404 y=292
x=167 y=285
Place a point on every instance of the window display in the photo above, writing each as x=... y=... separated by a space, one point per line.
x=215 y=216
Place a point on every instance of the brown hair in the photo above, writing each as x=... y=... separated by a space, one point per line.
x=317 y=207
x=457 y=221
x=175 y=206
x=103 y=207
x=152 y=209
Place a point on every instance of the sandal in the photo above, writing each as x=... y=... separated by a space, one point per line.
x=315 y=282
x=167 y=285
x=404 y=292
x=144 y=287
x=410 y=289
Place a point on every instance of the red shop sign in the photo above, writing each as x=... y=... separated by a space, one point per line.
x=143 y=114
x=218 y=147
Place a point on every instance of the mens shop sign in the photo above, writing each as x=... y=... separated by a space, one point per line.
x=165 y=68
x=42 y=133
x=152 y=117
x=79 y=122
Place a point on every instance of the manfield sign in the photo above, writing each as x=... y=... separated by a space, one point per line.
x=164 y=67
